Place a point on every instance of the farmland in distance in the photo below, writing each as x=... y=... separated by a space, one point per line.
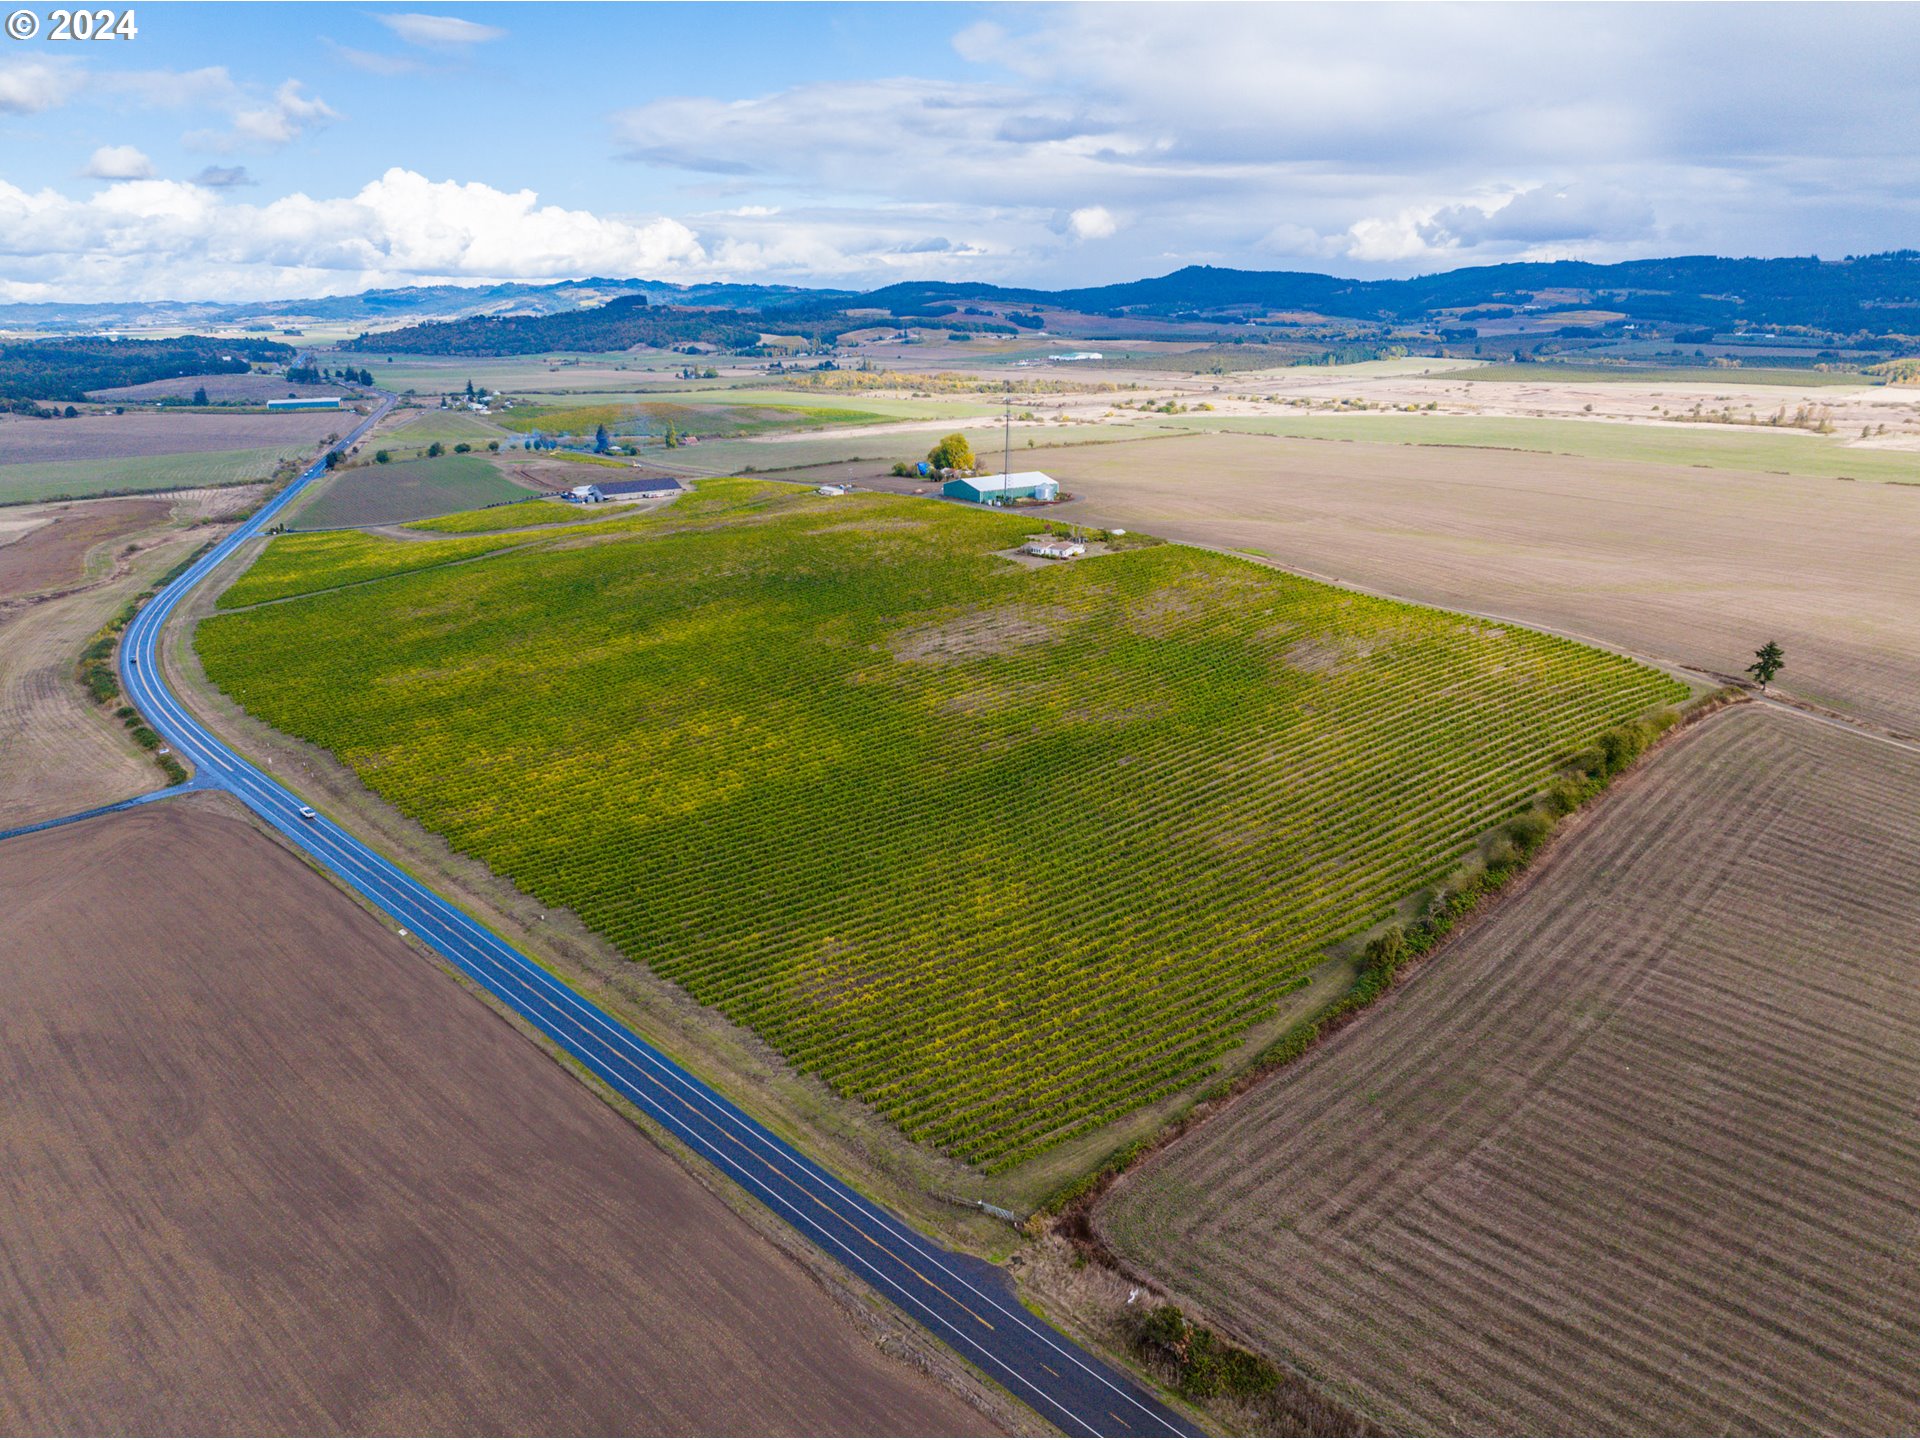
x=372 y=494
x=101 y=454
x=1633 y=1157
x=1699 y=566
x=1004 y=852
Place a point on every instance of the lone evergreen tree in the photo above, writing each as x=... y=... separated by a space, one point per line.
x=600 y=440
x=1768 y=661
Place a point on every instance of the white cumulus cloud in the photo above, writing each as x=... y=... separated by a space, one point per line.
x=119 y=162
x=162 y=238
x=1092 y=222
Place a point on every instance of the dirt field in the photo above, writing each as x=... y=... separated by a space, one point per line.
x=1691 y=565
x=1636 y=1155
x=59 y=583
x=221 y=389
x=59 y=752
x=115 y=437
x=53 y=554
x=263 y=1169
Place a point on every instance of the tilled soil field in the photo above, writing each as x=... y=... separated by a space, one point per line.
x=1636 y=1155
x=1697 y=566
x=25 y=441
x=53 y=555
x=264 y=1170
x=221 y=389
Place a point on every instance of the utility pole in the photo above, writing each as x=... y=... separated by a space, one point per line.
x=1006 y=455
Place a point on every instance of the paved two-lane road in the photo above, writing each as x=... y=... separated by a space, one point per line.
x=966 y=1302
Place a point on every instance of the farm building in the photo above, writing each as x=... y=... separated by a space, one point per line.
x=1055 y=547
x=831 y=490
x=1003 y=489
x=585 y=495
x=655 y=488
x=312 y=402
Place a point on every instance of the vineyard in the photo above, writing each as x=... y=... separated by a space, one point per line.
x=1004 y=852
x=295 y=564
x=506 y=517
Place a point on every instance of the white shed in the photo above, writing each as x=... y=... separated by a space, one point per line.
x=1054 y=547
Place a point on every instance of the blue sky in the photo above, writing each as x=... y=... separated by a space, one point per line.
x=283 y=149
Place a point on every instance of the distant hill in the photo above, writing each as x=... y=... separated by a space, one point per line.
x=1875 y=294
x=416 y=302
x=66 y=369
x=1833 y=301
x=1861 y=296
x=618 y=325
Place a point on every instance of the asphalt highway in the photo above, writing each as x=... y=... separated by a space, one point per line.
x=966 y=1302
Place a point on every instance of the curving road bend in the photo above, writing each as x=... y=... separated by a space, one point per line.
x=966 y=1302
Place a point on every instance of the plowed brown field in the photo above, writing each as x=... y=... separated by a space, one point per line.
x=1697 y=566
x=143 y=433
x=53 y=556
x=264 y=1170
x=1637 y=1155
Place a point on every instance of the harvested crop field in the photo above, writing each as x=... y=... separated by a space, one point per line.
x=221 y=390
x=141 y=474
x=53 y=554
x=25 y=441
x=263 y=1169
x=60 y=752
x=408 y=490
x=1635 y=1155
x=1698 y=566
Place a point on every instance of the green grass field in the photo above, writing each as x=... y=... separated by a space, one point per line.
x=794 y=451
x=1759 y=448
x=405 y=490
x=1005 y=852
x=416 y=430
x=716 y=413
x=76 y=479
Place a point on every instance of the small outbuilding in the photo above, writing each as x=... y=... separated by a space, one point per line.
x=1003 y=489
x=830 y=490
x=1055 y=547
